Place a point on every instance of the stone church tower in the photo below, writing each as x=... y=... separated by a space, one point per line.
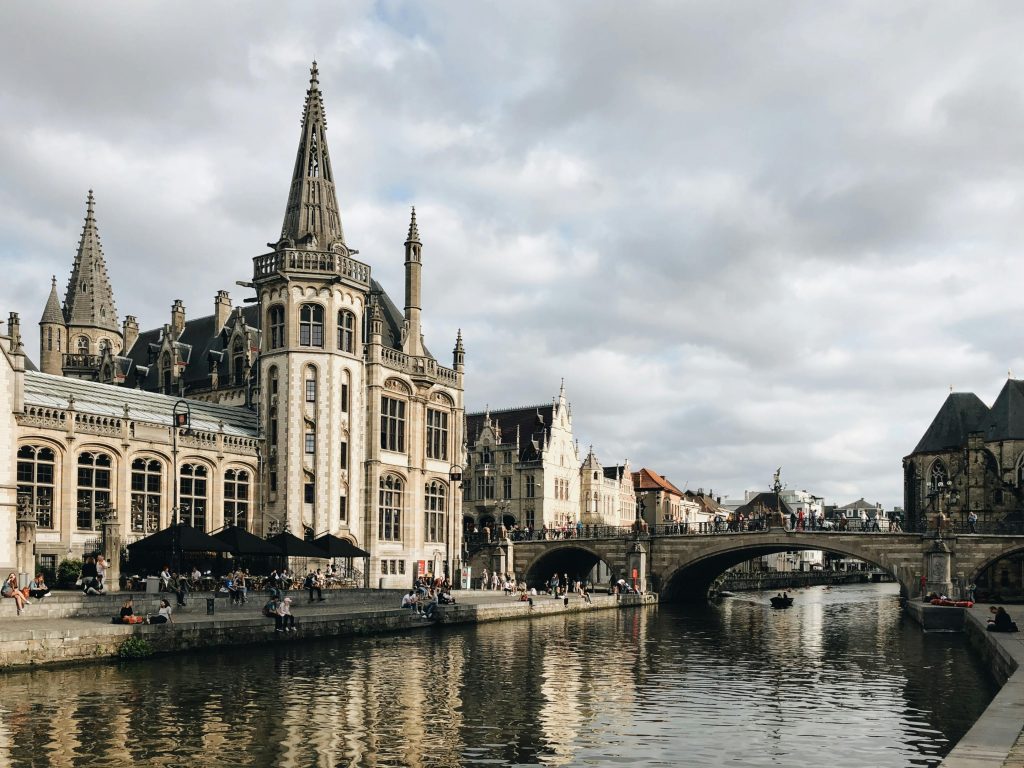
x=74 y=338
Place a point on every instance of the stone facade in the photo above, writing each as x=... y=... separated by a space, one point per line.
x=346 y=423
x=971 y=459
x=606 y=493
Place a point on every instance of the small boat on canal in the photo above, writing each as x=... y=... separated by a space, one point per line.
x=782 y=601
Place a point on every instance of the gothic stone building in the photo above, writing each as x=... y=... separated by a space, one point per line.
x=971 y=458
x=322 y=393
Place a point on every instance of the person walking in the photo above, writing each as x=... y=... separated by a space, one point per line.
x=972 y=522
x=553 y=584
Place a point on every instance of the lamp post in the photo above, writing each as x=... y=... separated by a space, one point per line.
x=180 y=421
x=455 y=475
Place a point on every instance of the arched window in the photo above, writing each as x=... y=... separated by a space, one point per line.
x=346 y=331
x=35 y=482
x=93 y=489
x=238 y=362
x=310 y=384
x=83 y=345
x=276 y=325
x=938 y=478
x=435 y=503
x=236 y=498
x=147 y=481
x=311 y=325
x=192 y=495
x=389 y=508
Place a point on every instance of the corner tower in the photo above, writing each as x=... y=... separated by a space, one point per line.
x=313 y=297
x=52 y=334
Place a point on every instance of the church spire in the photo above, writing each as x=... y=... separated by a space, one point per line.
x=52 y=313
x=89 y=301
x=312 y=210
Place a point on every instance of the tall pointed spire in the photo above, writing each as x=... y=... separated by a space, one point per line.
x=414 y=231
x=312 y=209
x=89 y=301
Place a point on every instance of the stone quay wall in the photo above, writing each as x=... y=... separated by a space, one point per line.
x=77 y=638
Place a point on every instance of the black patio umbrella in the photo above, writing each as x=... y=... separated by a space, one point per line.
x=336 y=547
x=189 y=540
x=242 y=542
x=292 y=546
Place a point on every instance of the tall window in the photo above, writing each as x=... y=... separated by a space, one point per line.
x=389 y=508
x=165 y=372
x=310 y=384
x=272 y=409
x=531 y=487
x=236 y=498
x=485 y=488
x=35 y=482
x=506 y=487
x=146 y=478
x=344 y=398
x=310 y=443
x=192 y=493
x=343 y=453
x=531 y=519
x=392 y=424
x=238 y=362
x=938 y=478
x=93 y=488
x=49 y=339
x=435 y=504
x=437 y=434
x=83 y=345
x=276 y=324
x=346 y=331
x=311 y=325
x=343 y=509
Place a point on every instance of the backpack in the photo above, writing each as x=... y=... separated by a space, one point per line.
x=270 y=609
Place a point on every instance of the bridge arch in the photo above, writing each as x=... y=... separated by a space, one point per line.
x=976 y=571
x=692 y=570
x=573 y=558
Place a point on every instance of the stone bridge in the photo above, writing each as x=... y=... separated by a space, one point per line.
x=685 y=565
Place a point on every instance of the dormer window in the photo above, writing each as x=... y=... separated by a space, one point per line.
x=238 y=362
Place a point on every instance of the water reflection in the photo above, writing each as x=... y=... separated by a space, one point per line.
x=732 y=684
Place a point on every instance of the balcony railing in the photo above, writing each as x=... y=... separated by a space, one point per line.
x=316 y=262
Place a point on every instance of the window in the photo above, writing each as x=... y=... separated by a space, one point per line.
x=343 y=455
x=83 y=345
x=238 y=362
x=938 y=478
x=486 y=456
x=276 y=324
x=531 y=522
x=310 y=385
x=506 y=487
x=310 y=443
x=311 y=325
x=272 y=411
x=147 y=475
x=389 y=509
x=384 y=567
x=346 y=331
x=309 y=493
x=192 y=495
x=49 y=339
x=401 y=567
x=485 y=488
x=93 y=489
x=392 y=424
x=435 y=504
x=531 y=487
x=437 y=434
x=35 y=482
x=236 y=498
x=344 y=398
x=343 y=509
x=273 y=479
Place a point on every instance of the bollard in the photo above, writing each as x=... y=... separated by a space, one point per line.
x=211 y=605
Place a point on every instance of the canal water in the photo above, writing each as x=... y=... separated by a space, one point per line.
x=840 y=679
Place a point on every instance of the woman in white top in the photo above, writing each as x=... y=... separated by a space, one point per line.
x=163 y=616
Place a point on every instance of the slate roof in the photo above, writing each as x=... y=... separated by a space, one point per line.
x=646 y=480
x=859 y=504
x=767 y=500
x=52 y=313
x=533 y=421
x=1006 y=420
x=961 y=414
x=42 y=389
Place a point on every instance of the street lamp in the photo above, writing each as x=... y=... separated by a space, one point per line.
x=455 y=475
x=180 y=421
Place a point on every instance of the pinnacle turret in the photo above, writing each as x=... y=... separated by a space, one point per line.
x=312 y=210
x=89 y=301
x=52 y=313
x=414 y=231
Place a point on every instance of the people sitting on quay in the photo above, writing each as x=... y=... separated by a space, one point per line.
x=179 y=586
x=10 y=589
x=1000 y=621
x=239 y=587
x=163 y=614
x=90 y=578
x=285 y=622
x=165 y=579
x=314 y=583
x=411 y=602
x=127 y=615
x=38 y=588
x=101 y=573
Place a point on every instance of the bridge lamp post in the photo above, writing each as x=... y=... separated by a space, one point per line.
x=455 y=475
x=180 y=421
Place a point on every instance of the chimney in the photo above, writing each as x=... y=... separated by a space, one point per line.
x=14 y=330
x=221 y=310
x=177 y=318
x=130 y=333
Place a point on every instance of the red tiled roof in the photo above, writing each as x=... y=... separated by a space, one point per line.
x=646 y=480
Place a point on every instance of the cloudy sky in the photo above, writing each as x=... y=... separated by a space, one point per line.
x=746 y=234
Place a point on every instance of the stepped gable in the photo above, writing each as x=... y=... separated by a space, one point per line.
x=1006 y=417
x=532 y=423
x=961 y=414
x=200 y=342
